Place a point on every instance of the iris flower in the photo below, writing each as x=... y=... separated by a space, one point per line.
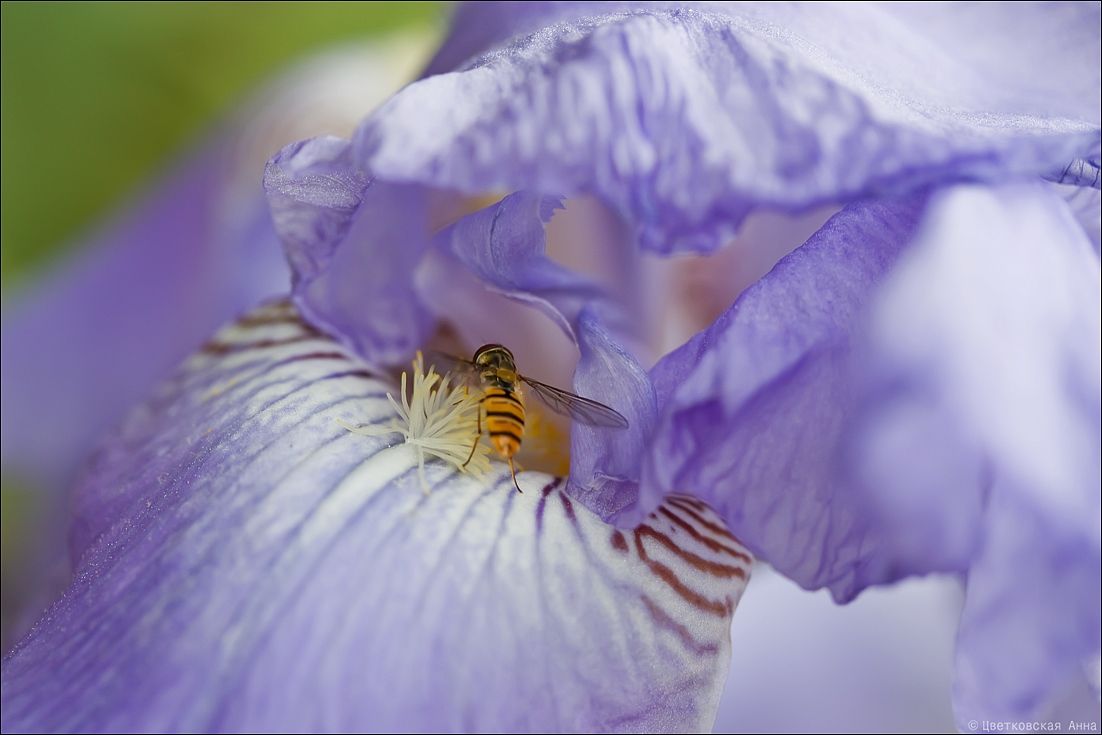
x=914 y=389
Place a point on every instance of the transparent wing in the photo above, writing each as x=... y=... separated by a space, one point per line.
x=446 y=363
x=582 y=409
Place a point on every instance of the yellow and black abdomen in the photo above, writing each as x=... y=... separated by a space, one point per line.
x=504 y=420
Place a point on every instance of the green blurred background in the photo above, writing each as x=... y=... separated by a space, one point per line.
x=97 y=97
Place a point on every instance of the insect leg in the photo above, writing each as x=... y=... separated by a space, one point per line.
x=513 y=470
x=478 y=437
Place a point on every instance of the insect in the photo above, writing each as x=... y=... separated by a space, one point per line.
x=503 y=405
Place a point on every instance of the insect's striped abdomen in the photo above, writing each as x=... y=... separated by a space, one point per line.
x=504 y=413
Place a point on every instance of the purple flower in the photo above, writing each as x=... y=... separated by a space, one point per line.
x=914 y=389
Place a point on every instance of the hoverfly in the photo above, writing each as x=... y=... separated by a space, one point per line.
x=501 y=401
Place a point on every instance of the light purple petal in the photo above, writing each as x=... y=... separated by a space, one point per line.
x=245 y=563
x=686 y=120
x=982 y=435
x=753 y=409
x=353 y=243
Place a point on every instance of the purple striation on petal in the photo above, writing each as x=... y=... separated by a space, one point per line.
x=353 y=243
x=985 y=39
x=753 y=408
x=774 y=105
x=244 y=563
x=980 y=440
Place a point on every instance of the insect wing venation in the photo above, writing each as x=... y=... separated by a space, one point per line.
x=583 y=409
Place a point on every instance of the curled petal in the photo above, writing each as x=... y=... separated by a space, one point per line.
x=754 y=407
x=504 y=246
x=353 y=243
x=775 y=105
x=243 y=562
x=604 y=467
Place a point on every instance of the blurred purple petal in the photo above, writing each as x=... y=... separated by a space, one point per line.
x=982 y=436
x=775 y=105
x=245 y=563
x=90 y=341
x=985 y=354
x=353 y=243
x=753 y=408
x=984 y=36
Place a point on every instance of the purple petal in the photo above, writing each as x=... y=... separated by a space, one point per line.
x=775 y=105
x=353 y=243
x=245 y=563
x=753 y=408
x=982 y=436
